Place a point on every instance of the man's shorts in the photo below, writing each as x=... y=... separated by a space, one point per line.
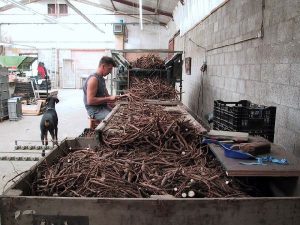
x=100 y=114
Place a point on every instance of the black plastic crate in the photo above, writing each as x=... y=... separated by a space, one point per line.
x=245 y=116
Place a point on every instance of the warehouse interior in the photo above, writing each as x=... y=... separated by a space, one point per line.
x=220 y=56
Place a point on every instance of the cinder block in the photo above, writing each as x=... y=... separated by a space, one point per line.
x=221 y=59
x=210 y=70
x=295 y=75
x=294 y=119
x=296 y=34
x=282 y=73
x=285 y=31
x=274 y=93
x=254 y=72
x=258 y=52
x=216 y=27
x=282 y=115
x=230 y=48
x=251 y=23
x=261 y=94
x=227 y=96
x=241 y=86
x=235 y=29
x=241 y=57
x=270 y=4
x=238 y=47
x=227 y=58
x=267 y=17
x=230 y=71
x=258 y=89
x=233 y=84
x=292 y=8
x=236 y=71
x=297 y=145
x=219 y=71
x=290 y=96
x=244 y=72
x=234 y=56
x=236 y=97
x=251 y=56
x=293 y=52
x=267 y=71
x=250 y=88
x=273 y=54
x=227 y=84
x=278 y=13
x=217 y=37
x=243 y=26
x=286 y=138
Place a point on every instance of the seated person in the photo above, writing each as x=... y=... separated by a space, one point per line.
x=96 y=99
x=41 y=71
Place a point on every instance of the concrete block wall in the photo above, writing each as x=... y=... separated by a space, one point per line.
x=244 y=65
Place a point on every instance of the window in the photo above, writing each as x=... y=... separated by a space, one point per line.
x=63 y=9
x=51 y=9
x=58 y=9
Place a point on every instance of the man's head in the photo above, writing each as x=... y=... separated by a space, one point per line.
x=105 y=65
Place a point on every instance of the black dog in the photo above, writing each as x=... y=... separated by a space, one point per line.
x=49 y=121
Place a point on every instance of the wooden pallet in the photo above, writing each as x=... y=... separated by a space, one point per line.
x=42 y=94
x=3 y=118
x=32 y=110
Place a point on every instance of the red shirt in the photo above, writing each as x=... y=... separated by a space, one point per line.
x=41 y=72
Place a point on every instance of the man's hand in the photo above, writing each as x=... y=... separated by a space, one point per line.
x=113 y=98
x=124 y=96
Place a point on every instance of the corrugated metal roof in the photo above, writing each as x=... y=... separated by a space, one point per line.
x=153 y=10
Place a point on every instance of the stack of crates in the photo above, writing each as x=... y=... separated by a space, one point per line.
x=4 y=93
x=244 y=116
x=14 y=108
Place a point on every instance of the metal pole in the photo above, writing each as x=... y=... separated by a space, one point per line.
x=46 y=83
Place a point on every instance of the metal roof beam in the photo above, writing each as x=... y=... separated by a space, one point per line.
x=136 y=5
x=157 y=5
x=116 y=12
x=26 y=8
x=113 y=5
x=83 y=16
x=23 y=2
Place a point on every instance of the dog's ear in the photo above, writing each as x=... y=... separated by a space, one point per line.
x=56 y=100
x=48 y=99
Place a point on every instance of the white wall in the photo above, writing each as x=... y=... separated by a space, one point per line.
x=151 y=37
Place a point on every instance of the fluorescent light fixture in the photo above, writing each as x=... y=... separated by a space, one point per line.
x=141 y=13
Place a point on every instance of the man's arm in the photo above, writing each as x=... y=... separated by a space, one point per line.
x=91 y=91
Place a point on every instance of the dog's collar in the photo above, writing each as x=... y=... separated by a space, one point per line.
x=49 y=108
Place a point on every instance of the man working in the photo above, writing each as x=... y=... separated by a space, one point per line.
x=96 y=98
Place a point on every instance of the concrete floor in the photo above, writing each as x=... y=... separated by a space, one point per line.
x=72 y=119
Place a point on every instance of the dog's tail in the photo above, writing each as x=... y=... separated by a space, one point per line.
x=47 y=123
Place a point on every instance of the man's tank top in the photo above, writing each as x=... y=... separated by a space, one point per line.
x=100 y=93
